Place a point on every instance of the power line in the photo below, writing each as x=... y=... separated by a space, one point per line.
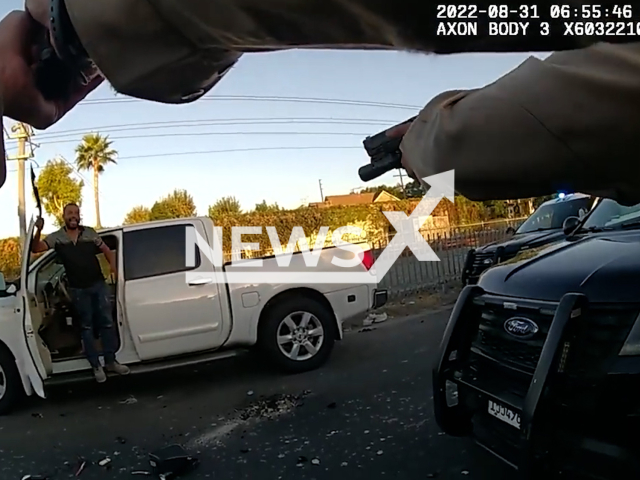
x=205 y=134
x=231 y=150
x=265 y=98
x=212 y=122
x=234 y=150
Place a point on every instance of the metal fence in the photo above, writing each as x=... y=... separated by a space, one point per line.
x=409 y=275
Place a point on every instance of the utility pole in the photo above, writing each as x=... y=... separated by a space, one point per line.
x=404 y=192
x=321 y=194
x=22 y=133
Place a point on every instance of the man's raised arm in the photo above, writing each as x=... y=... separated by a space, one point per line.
x=37 y=244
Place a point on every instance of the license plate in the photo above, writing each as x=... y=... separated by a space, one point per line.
x=505 y=414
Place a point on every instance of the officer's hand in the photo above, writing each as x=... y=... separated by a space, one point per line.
x=399 y=131
x=39 y=223
x=19 y=37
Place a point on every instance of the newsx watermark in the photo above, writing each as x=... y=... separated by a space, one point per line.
x=310 y=266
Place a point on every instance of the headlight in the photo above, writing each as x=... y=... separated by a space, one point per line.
x=632 y=344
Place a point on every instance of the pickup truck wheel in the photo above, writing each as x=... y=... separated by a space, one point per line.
x=10 y=384
x=298 y=335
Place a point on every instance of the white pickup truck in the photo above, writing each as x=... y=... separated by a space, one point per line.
x=166 y=320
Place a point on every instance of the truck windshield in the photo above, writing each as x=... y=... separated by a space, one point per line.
x=610 y=214
x=551 y=216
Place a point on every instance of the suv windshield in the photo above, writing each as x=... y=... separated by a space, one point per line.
x=549 y=217
x=610 y=214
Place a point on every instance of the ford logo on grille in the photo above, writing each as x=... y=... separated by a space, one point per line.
x=521 y=327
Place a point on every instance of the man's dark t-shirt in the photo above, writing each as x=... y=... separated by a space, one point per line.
x=79 y=259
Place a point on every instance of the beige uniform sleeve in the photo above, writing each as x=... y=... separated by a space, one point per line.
x=569 y=122
x=174 y=51
x=143 y=54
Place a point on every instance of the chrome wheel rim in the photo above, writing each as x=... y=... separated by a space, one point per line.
x=3 y=383
x=300 y=336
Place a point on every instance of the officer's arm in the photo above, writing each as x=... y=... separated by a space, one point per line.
x=174 y=51
x=565 y=123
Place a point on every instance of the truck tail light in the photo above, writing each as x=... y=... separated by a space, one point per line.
x=367 y=259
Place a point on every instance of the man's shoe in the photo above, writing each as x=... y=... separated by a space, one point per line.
x=99 y=375
x=118 y=368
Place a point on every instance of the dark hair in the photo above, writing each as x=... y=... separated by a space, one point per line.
x=72 y=204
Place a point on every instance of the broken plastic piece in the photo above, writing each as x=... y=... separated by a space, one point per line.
x=81 y=468
x=171 y=461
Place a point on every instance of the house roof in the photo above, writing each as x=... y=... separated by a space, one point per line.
x=356 y=199
x=353 y=199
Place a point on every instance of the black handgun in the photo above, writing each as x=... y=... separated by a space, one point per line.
x=59 y=71
x=384 y=152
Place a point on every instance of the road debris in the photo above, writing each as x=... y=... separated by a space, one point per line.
x=121 y=440
x=375 y=318
x=129 y=401
x=270 y=407
x=104 y=462
x=171 y=462
x=332 y=405
x=250 y=393
x=81 y=468
x=35 y=477
x=37 y=415
x=141 y=472
x=315 y=461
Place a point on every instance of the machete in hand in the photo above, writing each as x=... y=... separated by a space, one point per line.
x=36 y=193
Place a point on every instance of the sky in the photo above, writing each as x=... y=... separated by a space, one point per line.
x=242 y=142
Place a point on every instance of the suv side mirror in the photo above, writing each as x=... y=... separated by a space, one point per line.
x=3 y=283
x=570 y=224
x=511 y=231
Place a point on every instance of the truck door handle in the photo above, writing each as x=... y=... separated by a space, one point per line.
x=200 y=281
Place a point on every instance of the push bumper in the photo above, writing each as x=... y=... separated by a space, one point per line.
x=468 y=266
x=522 y=436
x=477 y=261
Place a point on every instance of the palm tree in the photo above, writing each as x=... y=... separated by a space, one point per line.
x=95 y=153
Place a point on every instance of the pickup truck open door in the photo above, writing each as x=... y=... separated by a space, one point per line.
x=32 y=361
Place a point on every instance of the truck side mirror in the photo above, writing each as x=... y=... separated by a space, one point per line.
x=570 y=224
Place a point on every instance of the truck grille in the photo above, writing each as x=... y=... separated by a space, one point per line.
x=521 y=355
x=494 y=341
x=591 y=352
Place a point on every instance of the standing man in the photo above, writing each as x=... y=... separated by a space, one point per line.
x=77 y=247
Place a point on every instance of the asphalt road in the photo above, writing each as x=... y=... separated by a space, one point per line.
x=365 y=415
